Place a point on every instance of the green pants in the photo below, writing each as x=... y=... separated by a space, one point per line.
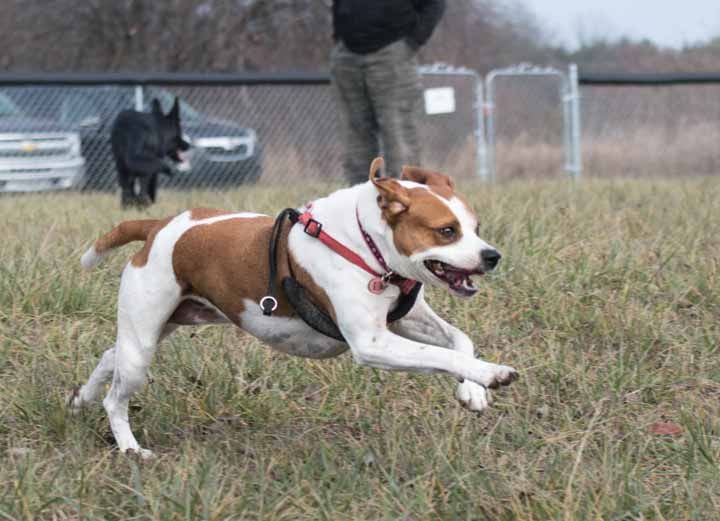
x=379 y=98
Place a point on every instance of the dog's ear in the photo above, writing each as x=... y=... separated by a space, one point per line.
x=155 y=107
x=393 y=198
x=175 y=110
x=426 y=177
x=375 y=167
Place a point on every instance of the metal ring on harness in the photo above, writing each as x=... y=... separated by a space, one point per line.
x=274 y=304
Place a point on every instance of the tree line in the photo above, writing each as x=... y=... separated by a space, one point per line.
x=274 y=35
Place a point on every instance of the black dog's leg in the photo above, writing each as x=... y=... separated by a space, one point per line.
x=147 y=190
x=127 y=186
x=149 y=185
x=127 y=197
x=147 y=168
x=152 y=188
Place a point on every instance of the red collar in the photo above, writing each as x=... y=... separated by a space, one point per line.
x=379 y=281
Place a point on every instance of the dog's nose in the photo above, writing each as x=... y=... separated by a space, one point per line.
x=490 y=258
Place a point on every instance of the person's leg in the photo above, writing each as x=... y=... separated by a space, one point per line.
x=360 y=129
x=394 y=87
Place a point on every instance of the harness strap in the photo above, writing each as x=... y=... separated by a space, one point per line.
x=314 y=229
x=297 y=295
x=269 y=303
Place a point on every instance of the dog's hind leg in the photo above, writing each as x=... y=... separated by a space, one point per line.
x=152 y=182
x=126 y=182
x=147 y=299
x=146 y=190
x=91 y=390
x=102 y=373
x=132 y=360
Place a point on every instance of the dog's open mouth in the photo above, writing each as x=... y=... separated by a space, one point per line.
x=457 y=279
x=182 y=160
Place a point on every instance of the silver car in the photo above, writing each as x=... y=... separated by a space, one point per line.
x=37 y=154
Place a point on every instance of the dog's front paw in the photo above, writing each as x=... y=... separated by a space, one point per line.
x=472 y=396
x=143 y=454
x=504 y=375
x=489 y=375
x=73 y=402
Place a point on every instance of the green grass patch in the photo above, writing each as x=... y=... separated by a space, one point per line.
x=607 y=301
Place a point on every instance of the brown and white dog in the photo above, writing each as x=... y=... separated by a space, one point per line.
x=208 y=266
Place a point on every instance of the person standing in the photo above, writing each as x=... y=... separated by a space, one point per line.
x=373 y=66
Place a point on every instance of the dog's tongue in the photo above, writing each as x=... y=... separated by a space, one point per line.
x=184 y=165
x=460 y=280
x=455 y=278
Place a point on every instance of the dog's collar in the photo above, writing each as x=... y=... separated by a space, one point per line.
x=405 y=285
x=380 y=281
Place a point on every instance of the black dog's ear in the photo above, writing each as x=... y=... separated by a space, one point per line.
x=175 y=111
x=156 y=107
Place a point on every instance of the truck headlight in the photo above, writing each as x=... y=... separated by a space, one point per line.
x=74 y=145
x=226 y=142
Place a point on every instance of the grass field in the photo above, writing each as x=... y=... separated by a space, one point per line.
x=607 y=302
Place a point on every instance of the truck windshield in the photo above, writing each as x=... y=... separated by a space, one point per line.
x=7 y=107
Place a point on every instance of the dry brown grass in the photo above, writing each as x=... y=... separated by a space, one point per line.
x=632 y=152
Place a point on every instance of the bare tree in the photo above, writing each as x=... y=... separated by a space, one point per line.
x=268 y=35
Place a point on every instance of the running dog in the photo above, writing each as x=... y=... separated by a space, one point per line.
x=359 y=255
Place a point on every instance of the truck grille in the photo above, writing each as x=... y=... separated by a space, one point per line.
x=32 y=147
x=221 y=154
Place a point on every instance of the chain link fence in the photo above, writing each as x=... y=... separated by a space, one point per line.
x=671 y=130
x=632 y=125
x=285 y=130
x=528 y=127
x=243 y=131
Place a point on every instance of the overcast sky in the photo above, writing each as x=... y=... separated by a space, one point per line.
x=667 y=23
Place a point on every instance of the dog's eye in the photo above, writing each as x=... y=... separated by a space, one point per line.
x=447 y=232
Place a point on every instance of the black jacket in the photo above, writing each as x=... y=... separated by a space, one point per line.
x=366 y=26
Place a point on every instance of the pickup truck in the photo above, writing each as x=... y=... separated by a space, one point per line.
x=37 y=154
x=223 y=153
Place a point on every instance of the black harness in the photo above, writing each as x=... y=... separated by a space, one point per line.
x=298 y=296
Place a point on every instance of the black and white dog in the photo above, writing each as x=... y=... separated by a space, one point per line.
x=142 y=144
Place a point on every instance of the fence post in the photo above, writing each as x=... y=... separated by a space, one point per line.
x=567 y=127
x=489 y=113
x=139 y=105
x=575 y=116
x=482 y=150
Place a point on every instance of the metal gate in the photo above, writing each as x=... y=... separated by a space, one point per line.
x=570 y=102
x=457 y=133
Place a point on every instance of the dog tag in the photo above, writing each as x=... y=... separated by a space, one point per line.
x=377 y=285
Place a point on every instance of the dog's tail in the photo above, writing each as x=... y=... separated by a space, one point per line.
x=122 y=234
